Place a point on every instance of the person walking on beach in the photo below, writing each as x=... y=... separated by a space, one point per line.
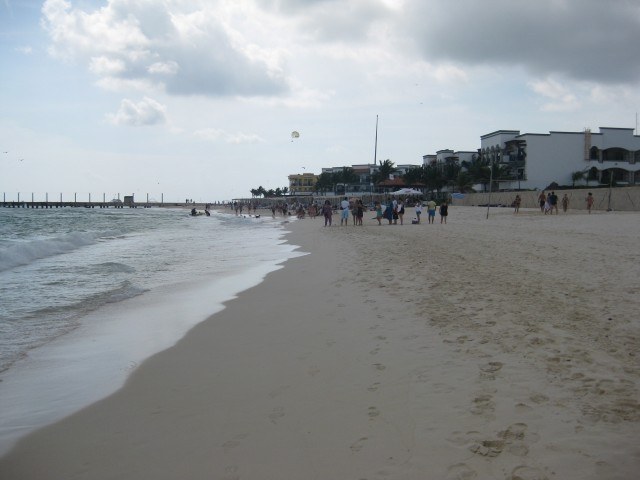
x=444 y=211
x=400 y=209
x=418 y=208
x=542 y=199
x=327 y=211
x=344 y=214
x=589 y=200
x=359 y=209
x=565 y=203
x=431 y=211
x=388 y=212
x=379 y=213
x=313 y=211
x=516 y=204
x=553 y=203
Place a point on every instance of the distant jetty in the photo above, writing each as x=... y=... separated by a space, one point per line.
x=112 y=204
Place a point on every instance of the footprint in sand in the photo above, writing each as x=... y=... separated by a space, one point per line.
x=539 y=398
x=276 y=414
x=483 y=404
x=488 y=448
x=231 y=473
x=527 y=473
x=522 y=408
x=234 y=442
x=374 y=387
x=379 y=367
x=488 y=370
x=358 y=444
x=373 y=413
x=513 y=432
x=461 y=471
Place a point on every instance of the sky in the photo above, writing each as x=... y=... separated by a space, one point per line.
x=189 y=99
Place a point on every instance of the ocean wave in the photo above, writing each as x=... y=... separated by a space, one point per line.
x=115 y=267
x=23 y=253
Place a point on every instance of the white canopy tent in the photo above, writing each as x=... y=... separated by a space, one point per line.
x=406 y=191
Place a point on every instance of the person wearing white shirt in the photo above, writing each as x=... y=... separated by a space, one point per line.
x=344 y=215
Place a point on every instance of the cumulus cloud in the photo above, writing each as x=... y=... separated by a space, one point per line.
x=581 y=39
x=187 y=48
x=301 y=52
x=146 y=112
x=560 y=98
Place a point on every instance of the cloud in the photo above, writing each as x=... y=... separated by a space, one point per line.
x=561 y=98
x=26 y=50
x=587 y=40
x=333 y=20
x=215 y=134
x=185 y=49
x=146 y=112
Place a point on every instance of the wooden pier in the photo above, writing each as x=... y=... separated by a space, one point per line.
x=25 y=204
x=45 y=204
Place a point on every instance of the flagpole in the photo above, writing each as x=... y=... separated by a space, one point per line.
x=375 y=157
x=490 y=184
x=375 y=151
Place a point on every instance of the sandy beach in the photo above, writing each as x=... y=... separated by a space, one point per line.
x=500 y=348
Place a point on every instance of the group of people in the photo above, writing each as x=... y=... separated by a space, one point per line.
x=549 y=203
x=393 y=211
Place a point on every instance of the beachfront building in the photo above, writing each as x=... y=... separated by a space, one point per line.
x=352 y=179
x=534 y=160
x=443 y=157
x=302 y=183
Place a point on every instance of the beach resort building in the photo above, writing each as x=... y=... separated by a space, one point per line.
x=448 y=156
x=527 y=161
x=535 y=160
x=302 y=183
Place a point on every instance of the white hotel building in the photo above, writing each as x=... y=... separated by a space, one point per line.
x=536 y=160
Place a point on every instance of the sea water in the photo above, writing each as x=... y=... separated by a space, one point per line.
x=87 y=294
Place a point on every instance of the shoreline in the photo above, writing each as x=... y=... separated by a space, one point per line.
x=504 y=348
x=94 y=357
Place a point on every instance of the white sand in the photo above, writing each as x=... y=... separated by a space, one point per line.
x=483 y=349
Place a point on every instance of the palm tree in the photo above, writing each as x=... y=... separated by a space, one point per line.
x=450 y=171
x=478 y=169
x=576 y=177
x=324 y=183
x=434 y=178
x=464 y=182
x=385 y=169
x=414 y=176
